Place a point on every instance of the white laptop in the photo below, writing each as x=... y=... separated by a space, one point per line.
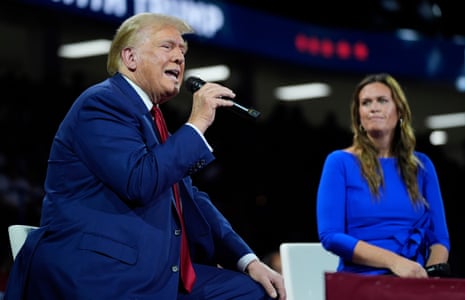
x=303 y=268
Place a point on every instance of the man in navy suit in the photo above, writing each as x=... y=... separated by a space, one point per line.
x=109 y=227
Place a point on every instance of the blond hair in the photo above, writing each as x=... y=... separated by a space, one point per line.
x=127 y=34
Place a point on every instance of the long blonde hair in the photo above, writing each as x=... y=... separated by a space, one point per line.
x=403 y=145
x=127 y=34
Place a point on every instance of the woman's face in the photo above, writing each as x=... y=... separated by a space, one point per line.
x=377 y=109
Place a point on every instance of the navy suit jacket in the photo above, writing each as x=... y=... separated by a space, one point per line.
x=108 y=228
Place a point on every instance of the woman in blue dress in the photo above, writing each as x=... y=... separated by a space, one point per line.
x=379 y=203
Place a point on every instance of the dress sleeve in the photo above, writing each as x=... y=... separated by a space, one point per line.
x=430 y=188
x=331 y=206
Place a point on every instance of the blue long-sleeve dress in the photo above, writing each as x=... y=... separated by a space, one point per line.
x=347 y=212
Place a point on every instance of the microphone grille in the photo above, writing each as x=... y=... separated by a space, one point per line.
x=194 y=83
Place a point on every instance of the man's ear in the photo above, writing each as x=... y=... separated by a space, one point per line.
x=129 y=58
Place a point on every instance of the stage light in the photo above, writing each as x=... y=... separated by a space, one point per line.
x=84 y=49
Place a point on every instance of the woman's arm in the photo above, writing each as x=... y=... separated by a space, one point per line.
x=370 y=255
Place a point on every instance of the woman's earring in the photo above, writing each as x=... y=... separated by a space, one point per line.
x=400 y=121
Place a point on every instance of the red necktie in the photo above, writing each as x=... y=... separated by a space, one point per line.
x=187 y=271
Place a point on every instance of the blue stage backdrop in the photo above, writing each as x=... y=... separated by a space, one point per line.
x=238 y=28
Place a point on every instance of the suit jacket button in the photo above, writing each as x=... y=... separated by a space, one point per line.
x=177 y=232
x=175 y=269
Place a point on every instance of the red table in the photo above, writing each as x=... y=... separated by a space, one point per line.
x=348 y=286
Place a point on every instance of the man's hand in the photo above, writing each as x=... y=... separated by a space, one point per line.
x=272 y=281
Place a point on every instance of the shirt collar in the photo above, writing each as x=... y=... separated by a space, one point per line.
x=145 y=98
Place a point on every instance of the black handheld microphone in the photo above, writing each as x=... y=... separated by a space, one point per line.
x=194 y=83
